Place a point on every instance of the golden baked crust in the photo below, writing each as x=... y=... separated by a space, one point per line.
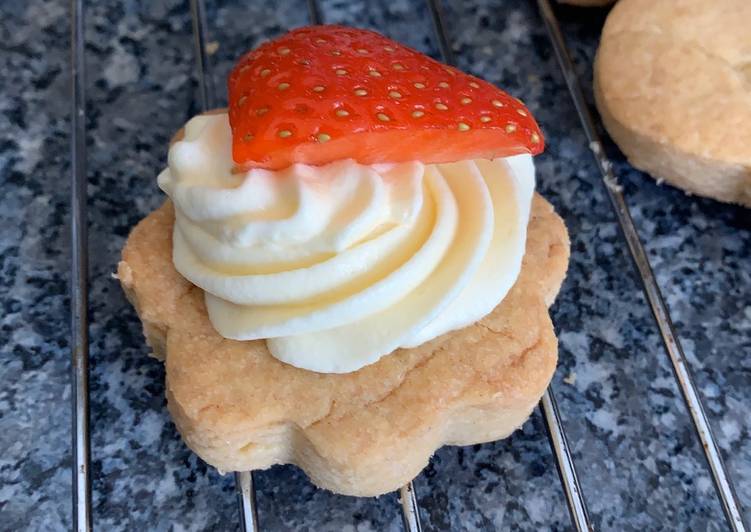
x=361 y=433
x=673 y=85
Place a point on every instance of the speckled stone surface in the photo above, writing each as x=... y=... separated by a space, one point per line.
x=640 y=463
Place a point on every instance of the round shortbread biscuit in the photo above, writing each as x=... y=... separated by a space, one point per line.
x=361 y=433
x=672 y=82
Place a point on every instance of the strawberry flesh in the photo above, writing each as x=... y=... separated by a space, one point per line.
x=324 y=93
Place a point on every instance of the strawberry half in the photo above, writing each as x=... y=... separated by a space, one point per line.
x=323 y=93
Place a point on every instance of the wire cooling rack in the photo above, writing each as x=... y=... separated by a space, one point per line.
x=577 y=505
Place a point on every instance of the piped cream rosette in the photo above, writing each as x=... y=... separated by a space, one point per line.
x=338 y=265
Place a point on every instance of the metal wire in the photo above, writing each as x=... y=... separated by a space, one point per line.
x=246 y=496
x=314 y=12
x=410 y=509
x=566 y=469
x=444 y=46
x=564 y=460
x=246 y=501
x=79 y=289
x=722 y=480
x=206 y=86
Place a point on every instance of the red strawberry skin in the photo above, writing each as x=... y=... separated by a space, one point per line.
x=324 y=93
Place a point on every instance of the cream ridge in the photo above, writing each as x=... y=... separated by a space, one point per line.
x=338 y=265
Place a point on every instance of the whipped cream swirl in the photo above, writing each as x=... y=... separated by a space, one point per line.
x=339 y=265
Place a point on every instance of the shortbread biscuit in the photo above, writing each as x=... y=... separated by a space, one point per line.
x=362 y=433
x=673 y=85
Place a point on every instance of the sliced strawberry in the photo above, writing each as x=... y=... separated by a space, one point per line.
x=323 y=93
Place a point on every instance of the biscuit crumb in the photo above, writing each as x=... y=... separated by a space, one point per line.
x=612 y=183
x=124 y=273
x=570 y=378
x=212 y=47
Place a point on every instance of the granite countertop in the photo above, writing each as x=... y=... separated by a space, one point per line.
x=640 y=463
